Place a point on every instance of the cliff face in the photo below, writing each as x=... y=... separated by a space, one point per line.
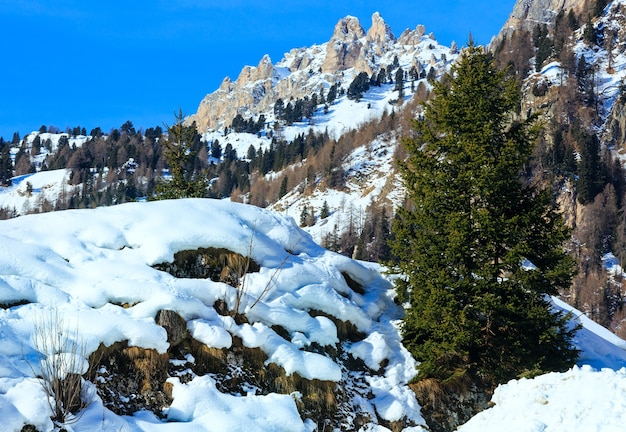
x=304 y=71
x=527 y=14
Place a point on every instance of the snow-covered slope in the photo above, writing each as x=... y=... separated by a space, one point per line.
x=580 y=400
x=96 y=270
x=28 y=192
x=589 y=397
x=84 y=265
x=368 y=178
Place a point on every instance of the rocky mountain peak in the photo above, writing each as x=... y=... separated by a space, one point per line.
x=380 y=33
x=412 y=37
x=348 y=29
x=263 y=71
x=344 y=49
x=303 y=71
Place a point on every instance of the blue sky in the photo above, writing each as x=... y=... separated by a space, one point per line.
x=99 y=63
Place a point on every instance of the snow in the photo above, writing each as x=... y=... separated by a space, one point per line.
x=588 y=397
x=581 y=399
x=93 y=259
x=46 y=185
x=83 y=264
x=86 y=263
x=202 y=405
x=602 y=349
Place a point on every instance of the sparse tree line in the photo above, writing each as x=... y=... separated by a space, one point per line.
x=567 y=152
x=389 y=75
x=366 y=235
x=126 y=165
x=481 y=200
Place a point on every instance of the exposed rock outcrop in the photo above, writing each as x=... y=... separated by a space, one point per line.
x=380 y=33
x=219 y=265
x=346 y=47
x=527 y=14
x=174 y=325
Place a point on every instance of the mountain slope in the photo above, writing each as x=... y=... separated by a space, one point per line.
x=274 y=356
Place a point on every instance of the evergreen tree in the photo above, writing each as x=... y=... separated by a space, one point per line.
x=590 y=173
x=475 y=311
x=283 y=187
x=599 y=7
x=180 y=153
x=400 y=83
x=590 y=34
x=432 y=75
x=332 y=94
x=544 y=45
x=325 y=210
x=382 y=77
x=6 y=164
x=35 y=146
x=358 y=86
x=304 y=216
x=216 y=149
x=586 y=79
x=279 y=109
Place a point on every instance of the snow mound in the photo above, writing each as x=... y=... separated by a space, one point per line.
x=582 y=399
x=97 y=269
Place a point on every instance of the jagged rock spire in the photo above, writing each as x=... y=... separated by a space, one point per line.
x=345 y=45
x=380 y=33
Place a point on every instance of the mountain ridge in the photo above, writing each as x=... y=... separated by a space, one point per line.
x=304 y=71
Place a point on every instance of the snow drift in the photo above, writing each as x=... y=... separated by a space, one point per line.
x=97 y=269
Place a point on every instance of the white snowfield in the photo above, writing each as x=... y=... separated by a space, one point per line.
x=84 y=263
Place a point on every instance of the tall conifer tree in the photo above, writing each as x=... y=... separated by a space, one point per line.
x=6 y=164
x=475 y=310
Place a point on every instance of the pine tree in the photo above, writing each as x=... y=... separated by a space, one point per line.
x=216 y=149
x=332 y=94
x=6 y=164
x=358 y=86
x=590 y=173
x=475 y=312
x=589 y=34
x=325 y=210
x=180 y=153
x=544 y=45
x=304 y=216
x=283 y=187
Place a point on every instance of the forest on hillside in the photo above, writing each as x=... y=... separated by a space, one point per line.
x=576 y=155
x=126 y=163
